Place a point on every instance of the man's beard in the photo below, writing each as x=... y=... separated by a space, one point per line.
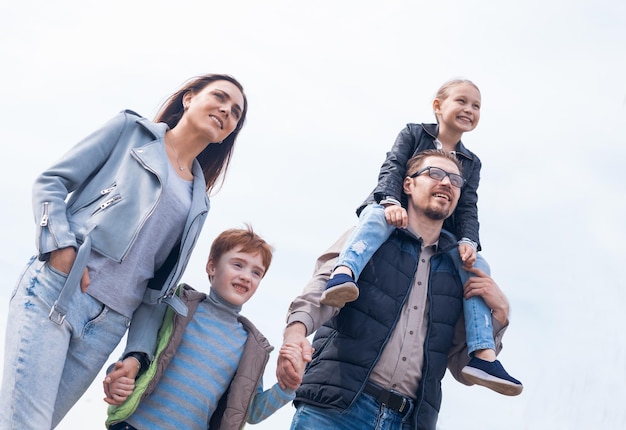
x=436 y=214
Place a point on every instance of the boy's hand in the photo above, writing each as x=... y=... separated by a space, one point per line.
x=293 y=353
x=287 y=374
x=396 y=216
x=119 y=384
x=468 y=255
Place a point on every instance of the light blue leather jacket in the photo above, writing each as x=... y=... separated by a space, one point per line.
x=114 y=180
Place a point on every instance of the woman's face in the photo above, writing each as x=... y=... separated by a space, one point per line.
x=215 y=110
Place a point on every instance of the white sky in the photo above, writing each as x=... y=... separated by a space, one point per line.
x=330 y=84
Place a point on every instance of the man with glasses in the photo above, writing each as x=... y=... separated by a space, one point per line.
x=378 y=361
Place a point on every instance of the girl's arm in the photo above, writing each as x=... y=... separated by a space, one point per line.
x=466 y=213
x=393 y=169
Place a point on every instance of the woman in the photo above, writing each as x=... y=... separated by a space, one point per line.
x=118 y=217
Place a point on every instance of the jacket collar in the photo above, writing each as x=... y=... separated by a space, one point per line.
x=158 y=132
x=433 y=131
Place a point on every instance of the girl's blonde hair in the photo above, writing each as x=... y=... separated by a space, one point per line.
x=444 y=91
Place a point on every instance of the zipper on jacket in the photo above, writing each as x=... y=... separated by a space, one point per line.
x=108 y=190
x=44 y=215
x=101 y=194
x=143 y=221
x=106 y=204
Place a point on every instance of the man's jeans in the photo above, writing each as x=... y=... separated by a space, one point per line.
x=372 y=231
x=47 y=367
x=366 y=414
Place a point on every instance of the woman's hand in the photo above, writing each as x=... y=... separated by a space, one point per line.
x=120 y=383
x=63 y=259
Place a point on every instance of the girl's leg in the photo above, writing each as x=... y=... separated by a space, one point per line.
x=478 y=325
x=369 y=234
x=484 y=370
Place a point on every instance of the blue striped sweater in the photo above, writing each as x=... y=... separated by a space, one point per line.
x=199 y=373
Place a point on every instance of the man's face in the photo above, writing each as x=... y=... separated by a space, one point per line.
x=436 y=199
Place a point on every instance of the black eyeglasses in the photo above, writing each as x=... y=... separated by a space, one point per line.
x=438 y=174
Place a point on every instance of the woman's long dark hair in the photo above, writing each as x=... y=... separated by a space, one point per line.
x=215 y=158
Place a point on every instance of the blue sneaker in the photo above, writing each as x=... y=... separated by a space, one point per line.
x=491 y=375
x=340 y=289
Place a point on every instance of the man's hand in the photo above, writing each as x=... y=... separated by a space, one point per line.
x=396 y=216
x=287 y=373
x=468 y=255
x=120 y=383
x=484 y=286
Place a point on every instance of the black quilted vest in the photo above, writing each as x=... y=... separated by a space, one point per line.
x=348 y=346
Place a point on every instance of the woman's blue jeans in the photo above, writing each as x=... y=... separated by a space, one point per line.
x=372 y=231
x=48 y=367
x=366 y=414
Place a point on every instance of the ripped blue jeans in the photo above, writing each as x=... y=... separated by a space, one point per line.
x=47 y=367
x=372 y=231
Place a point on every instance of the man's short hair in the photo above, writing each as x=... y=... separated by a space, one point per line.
x=414 y=164
x=246 y=239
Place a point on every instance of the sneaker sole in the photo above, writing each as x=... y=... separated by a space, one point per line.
x=339 y=295
x=502 y=386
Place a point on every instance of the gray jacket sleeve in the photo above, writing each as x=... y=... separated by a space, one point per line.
x=306 y=308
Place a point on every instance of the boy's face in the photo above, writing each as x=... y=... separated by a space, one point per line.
x=236 y=276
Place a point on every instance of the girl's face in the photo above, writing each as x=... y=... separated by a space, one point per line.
x=460 y=111
x=214 y=111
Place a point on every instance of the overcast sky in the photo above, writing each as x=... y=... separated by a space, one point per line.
x=330 y=84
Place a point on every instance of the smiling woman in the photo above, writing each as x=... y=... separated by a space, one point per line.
x=118 y=216
x=211 y=109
